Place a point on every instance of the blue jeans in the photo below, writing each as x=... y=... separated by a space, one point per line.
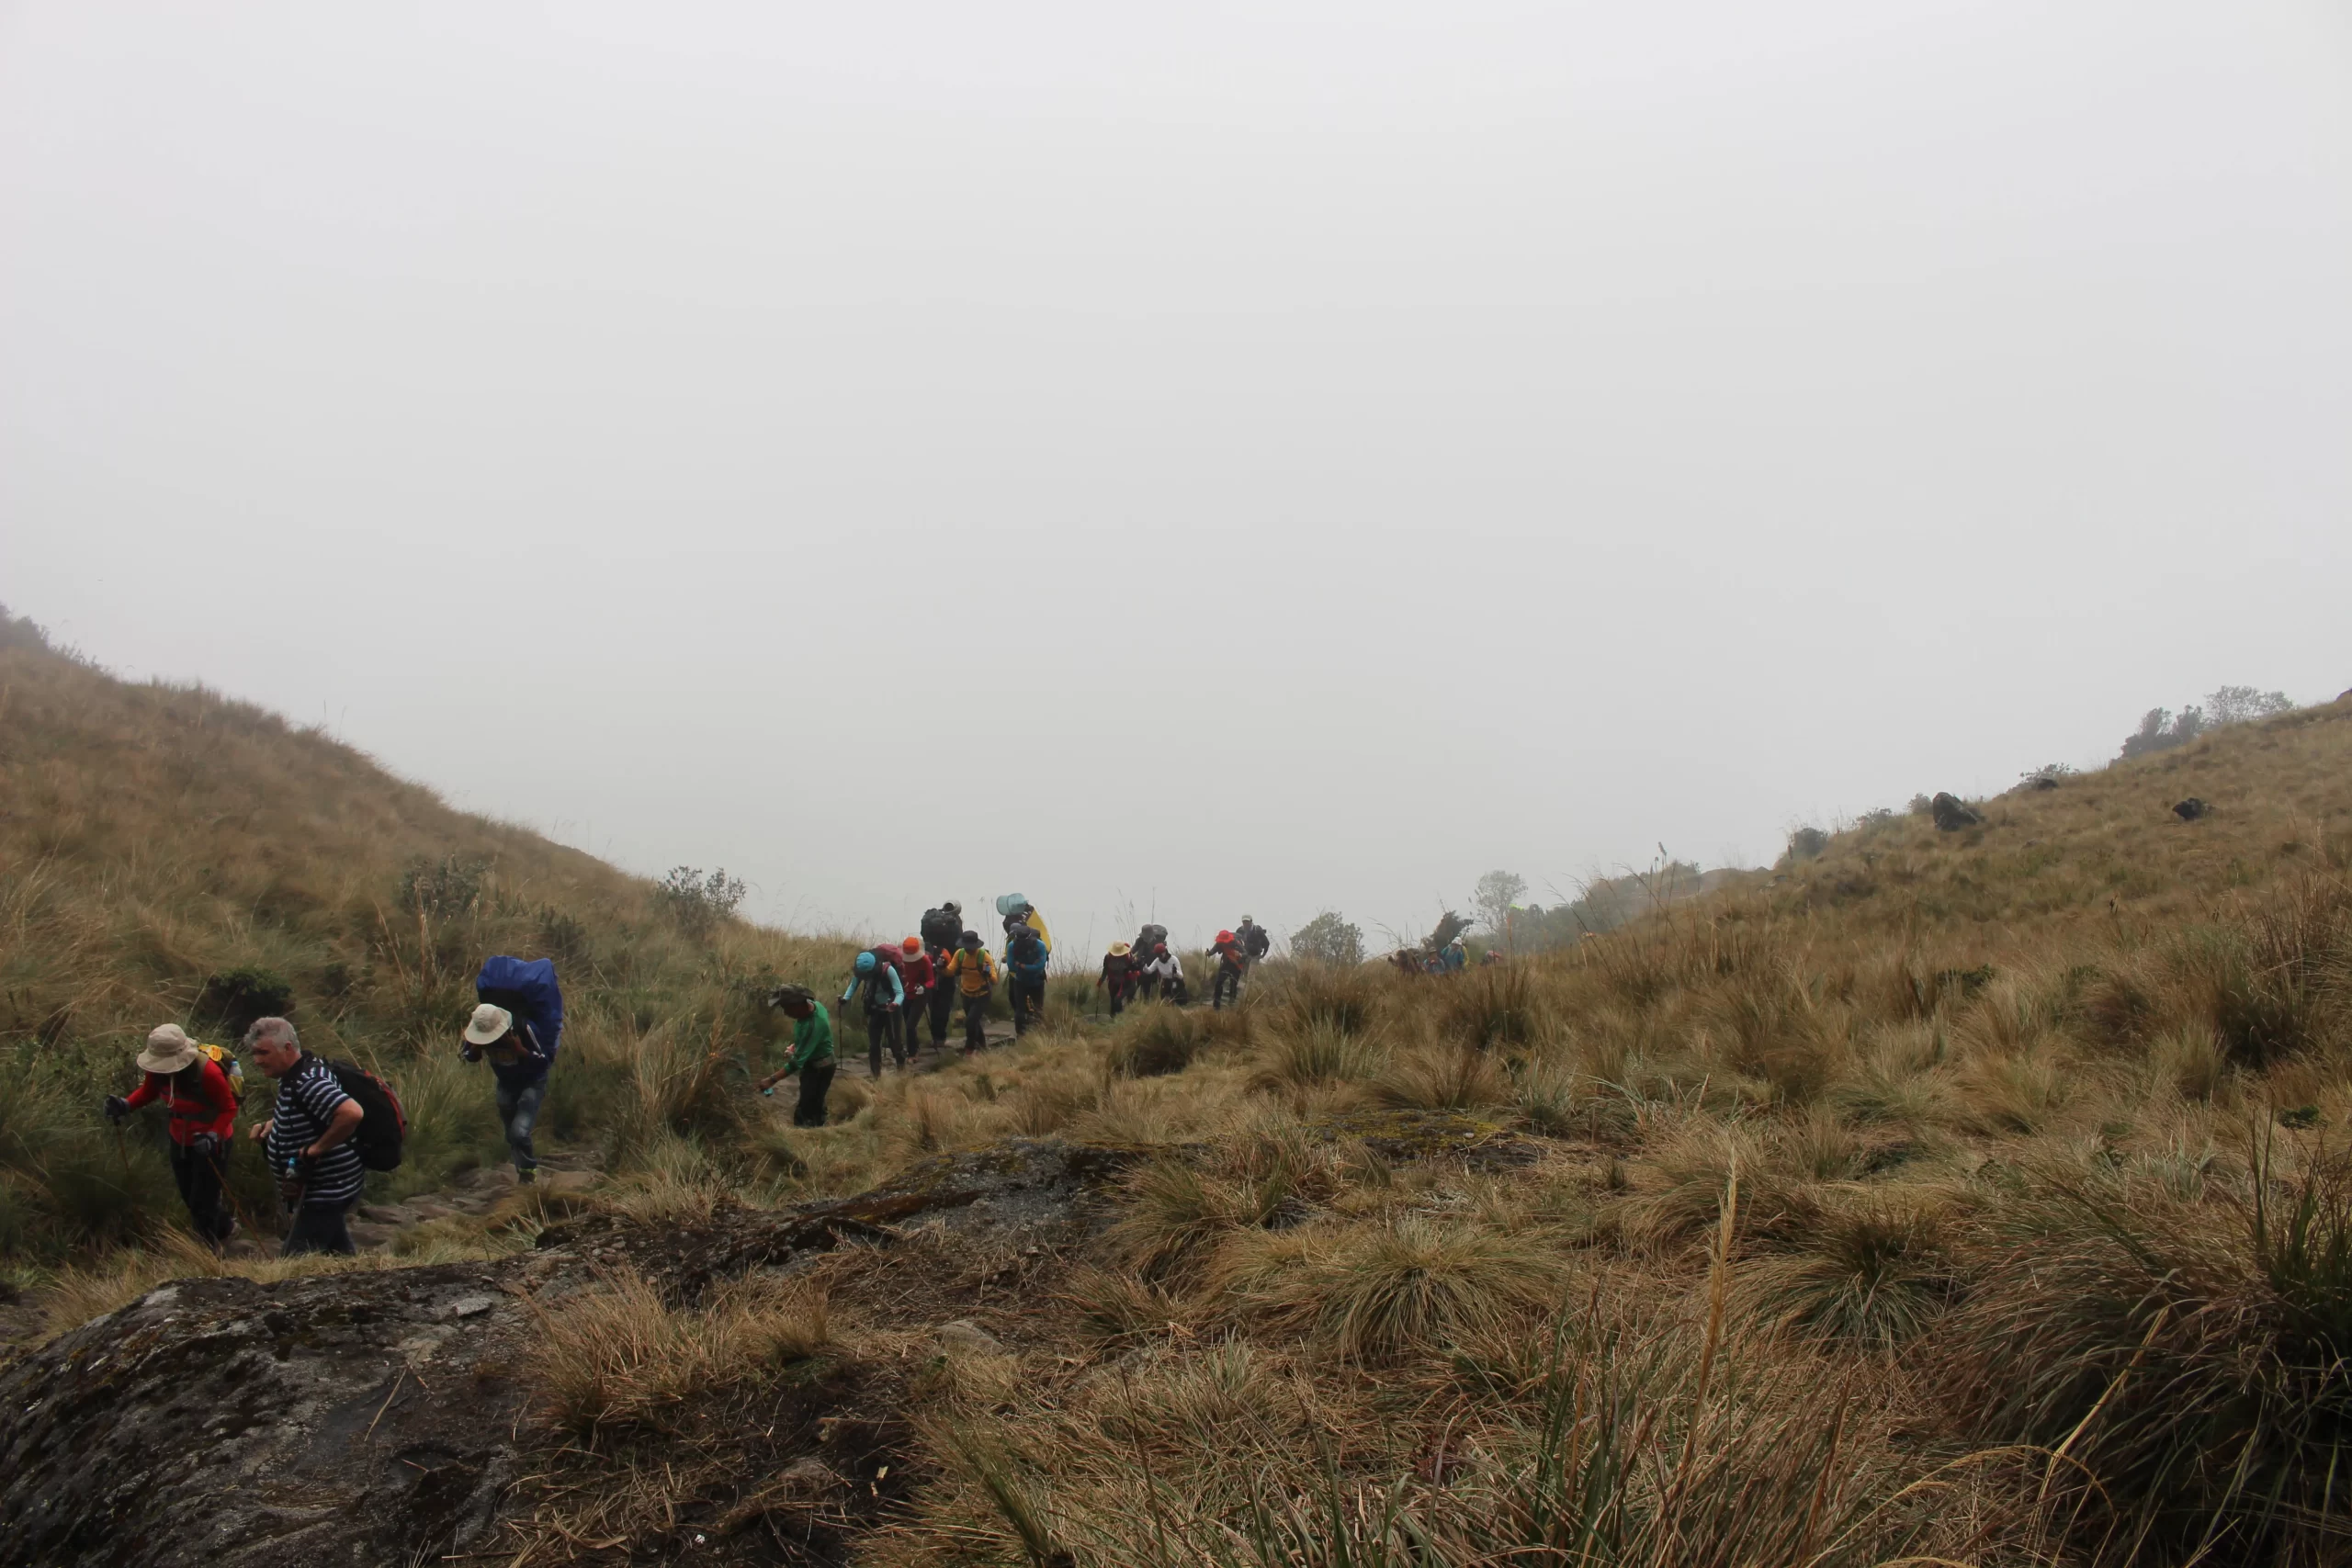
x=519 y=1109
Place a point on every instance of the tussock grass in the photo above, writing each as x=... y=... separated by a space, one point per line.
x=621 y=1355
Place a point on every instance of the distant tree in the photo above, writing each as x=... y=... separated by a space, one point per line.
x=1493 y=896
x=16 y=631
x=1328 y=939
x=2161 y=730
x=2242 y=704
x=1805 y=843
x=698 y=902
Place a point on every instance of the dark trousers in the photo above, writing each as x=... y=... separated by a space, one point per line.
x=318 y=1227
x=518 y=1112
x=882 y=1024
x=976 y=1021
x=1028 y=1003
x=816 y=1082
x=1226 y=984
x=198 y=1177
x=1118 y=989
x=916 y=1009
x=940 y=1003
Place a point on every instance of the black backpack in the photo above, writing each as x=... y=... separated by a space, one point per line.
x=1148 y=936
x=384 y=1126
x=1256 y=943
x=939 y=929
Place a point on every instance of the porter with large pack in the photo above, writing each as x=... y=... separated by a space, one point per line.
x=518 y=1026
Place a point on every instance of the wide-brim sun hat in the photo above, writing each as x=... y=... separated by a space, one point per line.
x=1120 y=950
x=487 y=1024
x=1225 y=936
x=168 y=1050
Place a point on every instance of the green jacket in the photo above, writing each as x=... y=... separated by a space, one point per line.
x=812 y=1040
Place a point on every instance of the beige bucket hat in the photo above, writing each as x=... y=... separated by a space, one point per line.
x=168 y=1050
x=487 y=1023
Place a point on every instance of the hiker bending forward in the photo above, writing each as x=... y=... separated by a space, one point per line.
x=201 y=1103
x=886 y=993
x=975 y=975
x=812 y=1053
x=518 y=1026
x=309 y=1141
x=1119 y=972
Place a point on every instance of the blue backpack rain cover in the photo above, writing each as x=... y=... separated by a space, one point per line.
x=529 y=992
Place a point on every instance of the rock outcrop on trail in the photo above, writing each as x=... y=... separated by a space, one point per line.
x=378 y=1416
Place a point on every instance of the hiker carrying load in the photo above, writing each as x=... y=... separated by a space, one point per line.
x=1232 y=958
x=1018 y=911
x=1026 y=958
x=1121 y=972
x=974 y=973
x=923 y=983
x=941 y=930
x=812 y=1053
x=518 y=1025
x=1255 y=941
x=886 y=992
x=199 y=1097
x=310 y=1139
x=1164 y=976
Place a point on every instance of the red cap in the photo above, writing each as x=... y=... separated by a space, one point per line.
x=912 y=944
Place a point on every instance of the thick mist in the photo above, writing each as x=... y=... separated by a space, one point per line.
x=1244 y=458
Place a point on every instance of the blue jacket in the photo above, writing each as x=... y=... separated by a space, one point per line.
x=873 y=984
x=1031 y=972
x=529 y=992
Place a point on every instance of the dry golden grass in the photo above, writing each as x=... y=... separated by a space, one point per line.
x=620 y=1354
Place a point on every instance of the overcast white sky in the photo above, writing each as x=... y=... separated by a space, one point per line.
x=1212 y=456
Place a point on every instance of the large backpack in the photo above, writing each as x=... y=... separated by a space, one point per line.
x=939 y=929
x=529 y=992
x=1150 y=937
x=1256 y=941
x=384 y=1126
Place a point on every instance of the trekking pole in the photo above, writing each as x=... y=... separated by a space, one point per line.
x=230 y=1193
x=124 y=1150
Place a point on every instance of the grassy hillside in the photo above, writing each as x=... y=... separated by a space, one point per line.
x=169 y=855
x=1973 y=1197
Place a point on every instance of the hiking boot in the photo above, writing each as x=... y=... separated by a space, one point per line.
x=525 y=1178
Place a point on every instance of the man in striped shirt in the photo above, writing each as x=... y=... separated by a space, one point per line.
x=308 y=1140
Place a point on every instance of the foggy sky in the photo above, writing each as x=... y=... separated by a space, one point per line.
x=1195 y=459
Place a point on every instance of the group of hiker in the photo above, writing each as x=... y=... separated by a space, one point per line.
x=333 y=1120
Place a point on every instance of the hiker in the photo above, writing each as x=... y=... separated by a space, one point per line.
x=200 y=1106
x=874 y=967
x=923 y=981
x=942 y=930
x=309 y=1141
x=1026 y=957
x=1231 y=959
x=518 y=1024
x=1018 y=911
x=1147 y=939
x=1120 y=971
x=1165 y=975
x=812 y=1053
x=974 y=973
x=1454 y=958
x=1255 y=941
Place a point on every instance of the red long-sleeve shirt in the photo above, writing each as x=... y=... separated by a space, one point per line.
x=212 y=1109
x=919 y=972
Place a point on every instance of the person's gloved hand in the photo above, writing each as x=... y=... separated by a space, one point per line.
x=205 y=1144
x=117 y=1108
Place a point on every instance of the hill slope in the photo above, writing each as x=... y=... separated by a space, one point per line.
x=169 y=855
x=1971 y=1197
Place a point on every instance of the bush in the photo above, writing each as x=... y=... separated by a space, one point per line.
x=1328 y=939
x=232 y=1001
x=1805 y=843
x=700 y=903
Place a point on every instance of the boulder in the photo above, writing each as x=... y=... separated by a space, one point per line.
x=2190 y=810
x=965 y=1338
x=1950 y=814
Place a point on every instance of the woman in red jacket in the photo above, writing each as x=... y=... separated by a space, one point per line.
x=202 y=1106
